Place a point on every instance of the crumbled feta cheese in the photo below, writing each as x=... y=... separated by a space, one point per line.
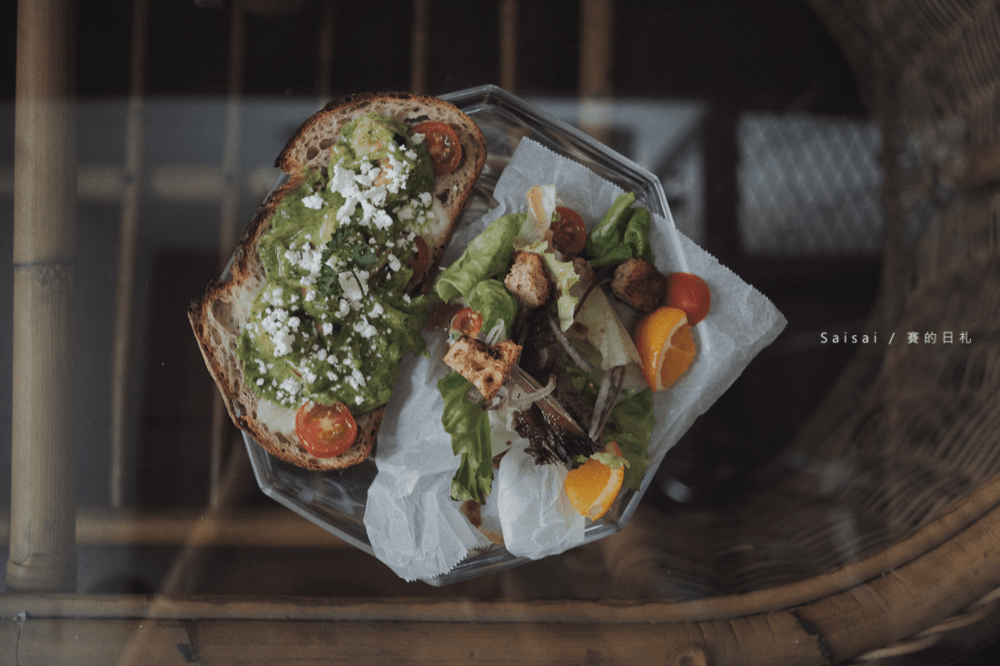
x=351 y=286
x=275 y=298
x=357 y=379
x=278 y=327
x=307 y=259
x=360 y=210
x=364 y=328
x=290 y=386
x=358 y=190
x=313 y=201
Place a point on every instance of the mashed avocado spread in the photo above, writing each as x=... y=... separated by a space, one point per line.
x=333 y=319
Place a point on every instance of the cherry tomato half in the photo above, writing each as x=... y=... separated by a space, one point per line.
x=689 y=293
x=443 y=144
x=325 y=430
x=569 y=233
x=468 y=322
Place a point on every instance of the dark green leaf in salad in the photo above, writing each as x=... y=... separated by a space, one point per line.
x=631 y=424
x=622 y=234
x=491 y=299
x=636 y=235
x=468 y=424
x=487 y=256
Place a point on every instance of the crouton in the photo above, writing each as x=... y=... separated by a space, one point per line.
x=527 y=280
x=486 y=367
x=639 y=284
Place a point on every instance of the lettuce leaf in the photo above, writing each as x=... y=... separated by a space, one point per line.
x=487 y=255
x=605 y=240
x=636 y=235
x=601 y=326
x=631 y=424
x=469 y=426
x=622 y=234
x=565 y=275
x=491 y=299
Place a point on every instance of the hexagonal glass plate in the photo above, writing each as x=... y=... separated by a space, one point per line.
x=336 y=500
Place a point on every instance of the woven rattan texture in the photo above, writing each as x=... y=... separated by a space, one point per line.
x=910 y=428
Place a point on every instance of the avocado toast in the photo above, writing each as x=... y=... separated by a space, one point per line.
x=327 y=282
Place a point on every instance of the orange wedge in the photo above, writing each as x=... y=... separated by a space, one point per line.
x=666 y=346
x=593 y=486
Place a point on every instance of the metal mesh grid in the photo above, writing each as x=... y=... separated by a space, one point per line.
x=809 y=185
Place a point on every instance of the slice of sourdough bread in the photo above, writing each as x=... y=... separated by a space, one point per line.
x=219 y=317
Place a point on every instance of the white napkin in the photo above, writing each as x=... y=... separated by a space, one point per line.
x=413 y=525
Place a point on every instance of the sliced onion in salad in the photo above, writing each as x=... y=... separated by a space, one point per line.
x=511 y=398
x=606 y=400
x=573 y=352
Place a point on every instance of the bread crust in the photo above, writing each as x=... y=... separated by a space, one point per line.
x=218 y=318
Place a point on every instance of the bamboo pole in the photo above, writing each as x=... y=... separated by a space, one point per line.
x=228 y=224
x=175 y=527
x=42 y=541
x=326 y=41
x=231 y=149
x=127 y=247
x=596 y=55
x=418 y=48
x=508 y=45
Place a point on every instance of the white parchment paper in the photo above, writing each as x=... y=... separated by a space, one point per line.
x=413 y=525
